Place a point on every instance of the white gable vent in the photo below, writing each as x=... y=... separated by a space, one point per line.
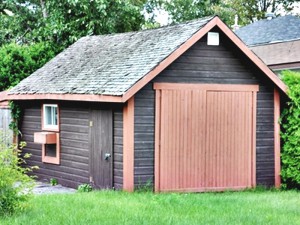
x=213 y=38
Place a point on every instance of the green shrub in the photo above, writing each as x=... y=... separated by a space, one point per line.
x=290 y=120
x=19 y=61
x=15 y=184
x=84 y=188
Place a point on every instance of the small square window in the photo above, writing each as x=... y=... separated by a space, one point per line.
x=50 y=117
x=213 y=38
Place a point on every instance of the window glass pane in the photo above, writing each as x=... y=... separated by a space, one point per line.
x=50 y=115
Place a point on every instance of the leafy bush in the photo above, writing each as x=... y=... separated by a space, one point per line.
x=19 y=61
x=290 y=120
x=15 y=184
x=84 y=188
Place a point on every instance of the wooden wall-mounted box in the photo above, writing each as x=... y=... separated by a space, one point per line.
x=45 y=137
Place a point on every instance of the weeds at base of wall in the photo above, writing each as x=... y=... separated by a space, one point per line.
x=53 y=182
x=84 y=188
x=145 y=187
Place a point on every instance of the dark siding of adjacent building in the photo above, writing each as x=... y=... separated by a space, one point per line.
x=223 y=64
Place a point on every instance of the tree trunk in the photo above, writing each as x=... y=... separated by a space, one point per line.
x=44 y=10
x=273 y=6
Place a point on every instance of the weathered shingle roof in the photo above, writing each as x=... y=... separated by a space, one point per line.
x=280 y=29
x=107 y=64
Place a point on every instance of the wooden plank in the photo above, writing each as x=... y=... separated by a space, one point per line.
x=75 y=128
x=128 y=146
x=206 y=87
x=254 y=139
x=221 y=66
x=66 y=97
x=188 y=59
x=277 y=137
x=195 y=75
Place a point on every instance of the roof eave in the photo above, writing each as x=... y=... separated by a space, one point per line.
x=66 y=97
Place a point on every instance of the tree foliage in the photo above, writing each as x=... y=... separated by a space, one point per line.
x=290 y=120
x=62 y=22
x=19 y=22
x=18 y=61
x=247 y=10
x=182 y=10
x=252 y=10
x=33 y=31
x=66 y=21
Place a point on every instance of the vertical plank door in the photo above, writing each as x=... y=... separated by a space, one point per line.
x=101 y=154
x=229 y=140
x=205 y=137
x=182 y=139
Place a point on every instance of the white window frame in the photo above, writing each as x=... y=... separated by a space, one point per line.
x=47 y=126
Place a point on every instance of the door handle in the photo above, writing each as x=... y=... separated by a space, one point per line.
x=107 y=156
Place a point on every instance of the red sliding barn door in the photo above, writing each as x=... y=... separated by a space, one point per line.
x=205 y=137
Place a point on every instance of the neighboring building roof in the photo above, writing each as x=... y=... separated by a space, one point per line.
x=279 y=53
x=112 y=68
x=280 y=29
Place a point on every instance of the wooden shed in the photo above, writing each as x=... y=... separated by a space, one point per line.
x=186 y=107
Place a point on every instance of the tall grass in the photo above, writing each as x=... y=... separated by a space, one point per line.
x=109 y=207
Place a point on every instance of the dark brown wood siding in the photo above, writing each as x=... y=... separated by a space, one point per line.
x=74 y=162
x=223 y=64
x=74 y=136
x=118 y=149
x=144 y=136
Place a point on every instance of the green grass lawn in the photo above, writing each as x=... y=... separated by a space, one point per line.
x=109 y=207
